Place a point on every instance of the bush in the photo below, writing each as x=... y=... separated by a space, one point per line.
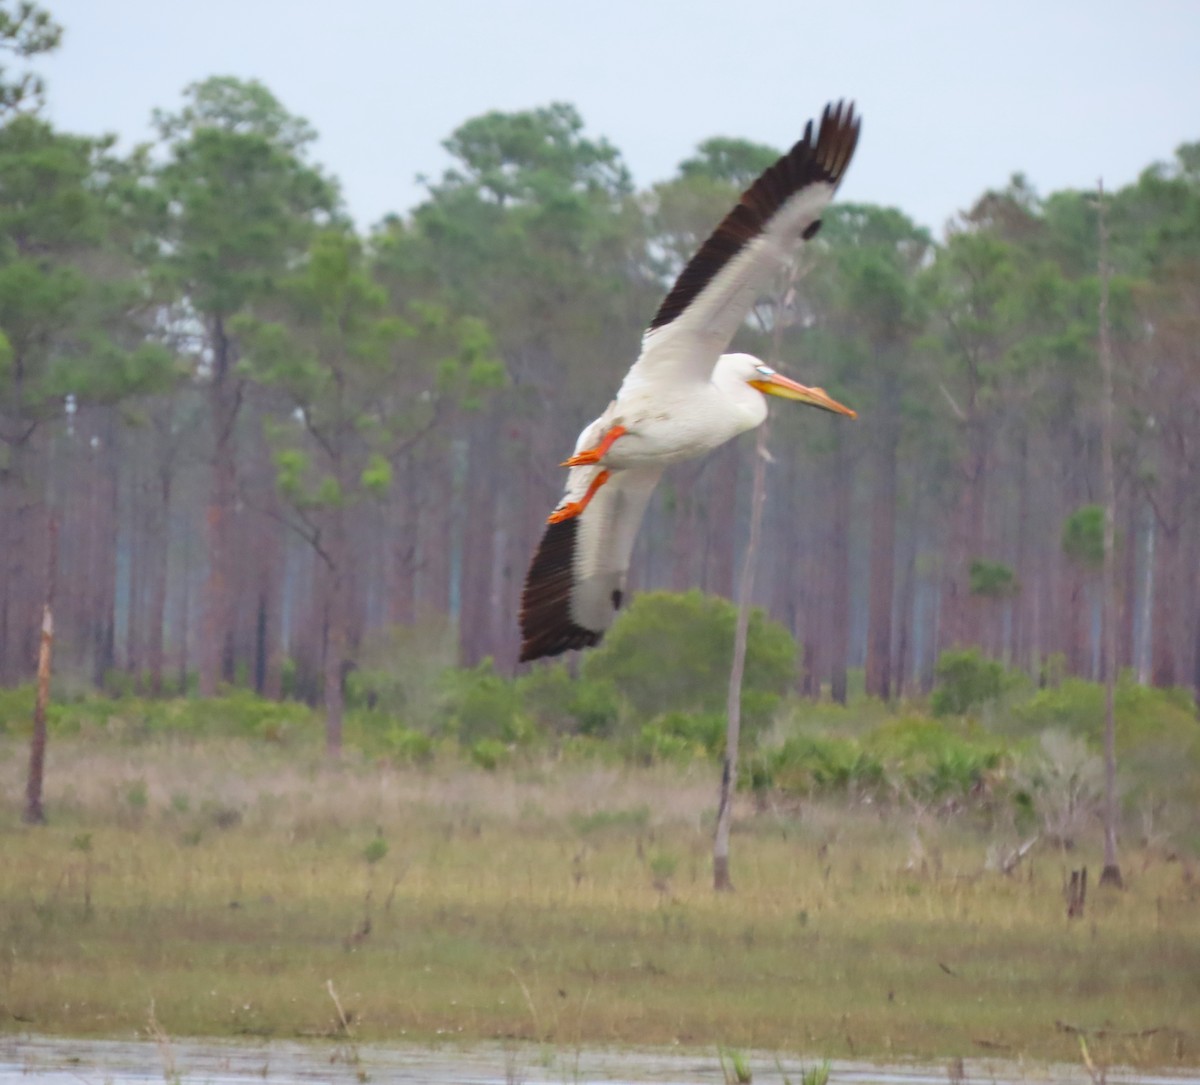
x=479 y=704
x=933 y=760
x=489 y=753
x=966 y=680
x=808 y=764
x=1142 y=712
x=562 y=705
x=671 y=653
x=399 y=669
x=1064 y=782
x=680 y=737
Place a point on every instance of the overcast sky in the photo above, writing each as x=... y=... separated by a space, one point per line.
x=956 y=95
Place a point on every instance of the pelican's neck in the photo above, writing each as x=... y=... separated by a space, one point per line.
x=748 y=404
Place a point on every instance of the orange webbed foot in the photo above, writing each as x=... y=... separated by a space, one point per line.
x=594 y=455
x=574 y=508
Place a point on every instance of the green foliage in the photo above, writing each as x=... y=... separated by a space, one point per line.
x=489 y=753
x=733 y=162
x=993 y=580
x=26 y=29
x=376 y=477
x=926 y=759
x=137 y=796
x=239 y=201
x=1083 y=537
x=529 y=155
x=935 y=759
x=375 y=850
x=628 y=822
x=680 y=737
x=811 y=764
x=671 y=652
x=560 y=704
x=66 y=329
x=478 y=704
x=737 y=1070
x=409 y=746
x=1143 y=713
x=965 y=680
x=400 y=667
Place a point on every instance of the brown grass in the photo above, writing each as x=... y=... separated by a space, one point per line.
x=566 y=904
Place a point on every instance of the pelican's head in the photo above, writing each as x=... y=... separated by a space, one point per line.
x=763 y=378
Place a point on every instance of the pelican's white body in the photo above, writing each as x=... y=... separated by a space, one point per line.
x=665 y=425
x=678 y=421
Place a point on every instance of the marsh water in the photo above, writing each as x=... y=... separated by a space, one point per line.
x=25 y=1060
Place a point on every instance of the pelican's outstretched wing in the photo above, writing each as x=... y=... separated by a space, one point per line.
x=715 y=291
x=576 y=582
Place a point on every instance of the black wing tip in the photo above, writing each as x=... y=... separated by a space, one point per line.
x=547 y=628
x=822 y=159
x=554 y=643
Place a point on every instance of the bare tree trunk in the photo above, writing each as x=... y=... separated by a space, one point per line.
x=1111 y=874
x=335 y=625
x=839 y=610
x=159 y=557
x=224 y=403
x=34 y=812
x=721 y=878
x=1164 y=666
x=883 y=571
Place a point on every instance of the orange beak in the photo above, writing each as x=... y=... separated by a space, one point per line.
x=786 y=388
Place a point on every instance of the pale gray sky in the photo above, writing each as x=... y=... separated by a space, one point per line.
x=956 y=95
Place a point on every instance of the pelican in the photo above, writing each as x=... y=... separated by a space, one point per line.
x=683 y=397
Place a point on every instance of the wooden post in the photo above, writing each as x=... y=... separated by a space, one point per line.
x=34 y=812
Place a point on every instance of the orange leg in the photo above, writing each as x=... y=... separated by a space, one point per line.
x=573 y=508
x=595 y=455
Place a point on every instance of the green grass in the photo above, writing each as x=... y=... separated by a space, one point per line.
x=227 y=881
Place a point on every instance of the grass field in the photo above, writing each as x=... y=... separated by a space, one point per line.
x=218 y=886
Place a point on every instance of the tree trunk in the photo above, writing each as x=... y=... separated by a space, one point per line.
x=1111 y=874
x=883 y=571
x=839 y=609
x=1164 y=665
x=35 y=814
x=224 y=401
x=722 y=881
x=335 y=637
x=159 y=558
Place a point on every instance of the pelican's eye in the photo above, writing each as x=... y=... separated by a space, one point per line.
x=765 y=370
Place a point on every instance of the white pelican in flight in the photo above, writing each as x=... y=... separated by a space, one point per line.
x=683 y=397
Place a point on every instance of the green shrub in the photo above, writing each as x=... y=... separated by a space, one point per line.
x=932 y=759
x=408 y=745
x=562 y=705
x=16 y=709
x=1142 y=712
x=489 y=753
x=671 y=652
x=479 y=704
x=808 y=764
x=966 y=680
x=624 y=822
x=399 y=669
x=652 y=745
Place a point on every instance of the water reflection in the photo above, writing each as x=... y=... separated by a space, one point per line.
x=47 y=1061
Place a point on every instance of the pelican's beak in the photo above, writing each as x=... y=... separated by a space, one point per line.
x=786 y=388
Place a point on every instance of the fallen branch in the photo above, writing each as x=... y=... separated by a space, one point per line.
x=1137 y=1034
